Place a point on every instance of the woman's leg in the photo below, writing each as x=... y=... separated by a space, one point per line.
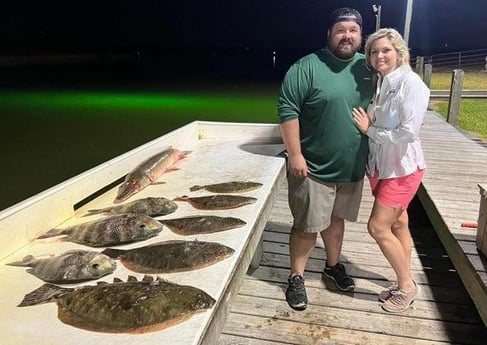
x=388 y=226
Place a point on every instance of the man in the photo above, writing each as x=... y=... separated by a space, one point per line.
x=326 y=152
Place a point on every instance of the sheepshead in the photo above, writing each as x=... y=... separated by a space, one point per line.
x=133 y=306
x=171 y=256
x=148 y=172
x=110 y=231
x=195 y=225
x=228 y=187
x=149 y=206
x=73 y=266
x=217 y=202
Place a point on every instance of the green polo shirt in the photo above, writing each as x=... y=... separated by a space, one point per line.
x=321 y=90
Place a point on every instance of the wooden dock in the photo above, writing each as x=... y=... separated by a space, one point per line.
x=445 y=264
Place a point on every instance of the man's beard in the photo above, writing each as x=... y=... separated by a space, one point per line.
x=343 y=54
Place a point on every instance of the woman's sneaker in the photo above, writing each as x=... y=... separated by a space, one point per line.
x=400 y=300
x=296 y=293
x=340 y=277
x=384 y=295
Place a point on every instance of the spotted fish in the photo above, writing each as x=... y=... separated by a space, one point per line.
x=228 y=187
x=148 y=172
x=171 y=256
x=123 y=307
x=110 y=231
x=195 y=225
x=217 y=202
x=149 y=206
x=70 y=267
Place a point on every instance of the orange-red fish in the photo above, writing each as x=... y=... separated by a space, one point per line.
x=148 y=172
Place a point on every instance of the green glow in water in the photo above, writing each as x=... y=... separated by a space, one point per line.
x=223 y=107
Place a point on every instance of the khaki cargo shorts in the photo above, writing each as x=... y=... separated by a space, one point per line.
x=312 y=203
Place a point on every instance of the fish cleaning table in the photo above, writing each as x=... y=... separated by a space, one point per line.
x=220 y=152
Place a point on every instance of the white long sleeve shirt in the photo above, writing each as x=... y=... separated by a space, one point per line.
x=397 y=112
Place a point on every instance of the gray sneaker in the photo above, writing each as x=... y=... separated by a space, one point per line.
x=340 y=277
x=296 y=293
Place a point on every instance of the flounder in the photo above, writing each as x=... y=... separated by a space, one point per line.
x=228 y=187
x=195 y=225
x=70 y=267
x=148 y=172
x=150 y=206
x=171 y=256
x=217 y=202
x=110 y=231
x=123 y=307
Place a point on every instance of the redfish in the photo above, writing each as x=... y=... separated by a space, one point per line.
x=148 y=172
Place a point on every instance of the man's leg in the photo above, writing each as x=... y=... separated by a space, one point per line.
x=333 y=239
x=301 y=245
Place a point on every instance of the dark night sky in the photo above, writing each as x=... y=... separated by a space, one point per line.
x=300 y=25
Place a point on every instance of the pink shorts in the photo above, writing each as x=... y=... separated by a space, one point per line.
x=396 y=192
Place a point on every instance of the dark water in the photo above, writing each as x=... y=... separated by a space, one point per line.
x=42 y=145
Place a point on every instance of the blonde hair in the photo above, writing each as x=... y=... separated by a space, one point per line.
x=397 y=42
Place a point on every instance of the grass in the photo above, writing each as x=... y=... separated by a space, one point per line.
x=471 y=81
x=472 y=117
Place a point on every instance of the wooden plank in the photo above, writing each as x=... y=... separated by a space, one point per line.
x=449 y=202
x=443 y=313
x=448 y=292
x=348 y=320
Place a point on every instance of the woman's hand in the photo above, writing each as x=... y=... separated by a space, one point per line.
x=361 y=119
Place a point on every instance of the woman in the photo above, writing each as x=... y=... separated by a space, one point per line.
x=396 y=163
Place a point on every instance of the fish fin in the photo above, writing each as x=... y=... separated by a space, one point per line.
x=45 y=293
x=195 y=188
x=181 y=198
x=95 y=211
x=156 y=183
x=113 y=253
x=139 y=268
x=54 y=233
x=147 y=278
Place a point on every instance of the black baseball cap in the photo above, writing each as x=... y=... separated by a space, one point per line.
x=345 y=14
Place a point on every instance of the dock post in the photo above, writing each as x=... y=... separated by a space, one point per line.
x=455 y=96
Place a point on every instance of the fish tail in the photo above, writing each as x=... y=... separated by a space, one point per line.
x=185 y=153
x=195 y=188
x=26 y=261
x=113 y=253
x=45 y=293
